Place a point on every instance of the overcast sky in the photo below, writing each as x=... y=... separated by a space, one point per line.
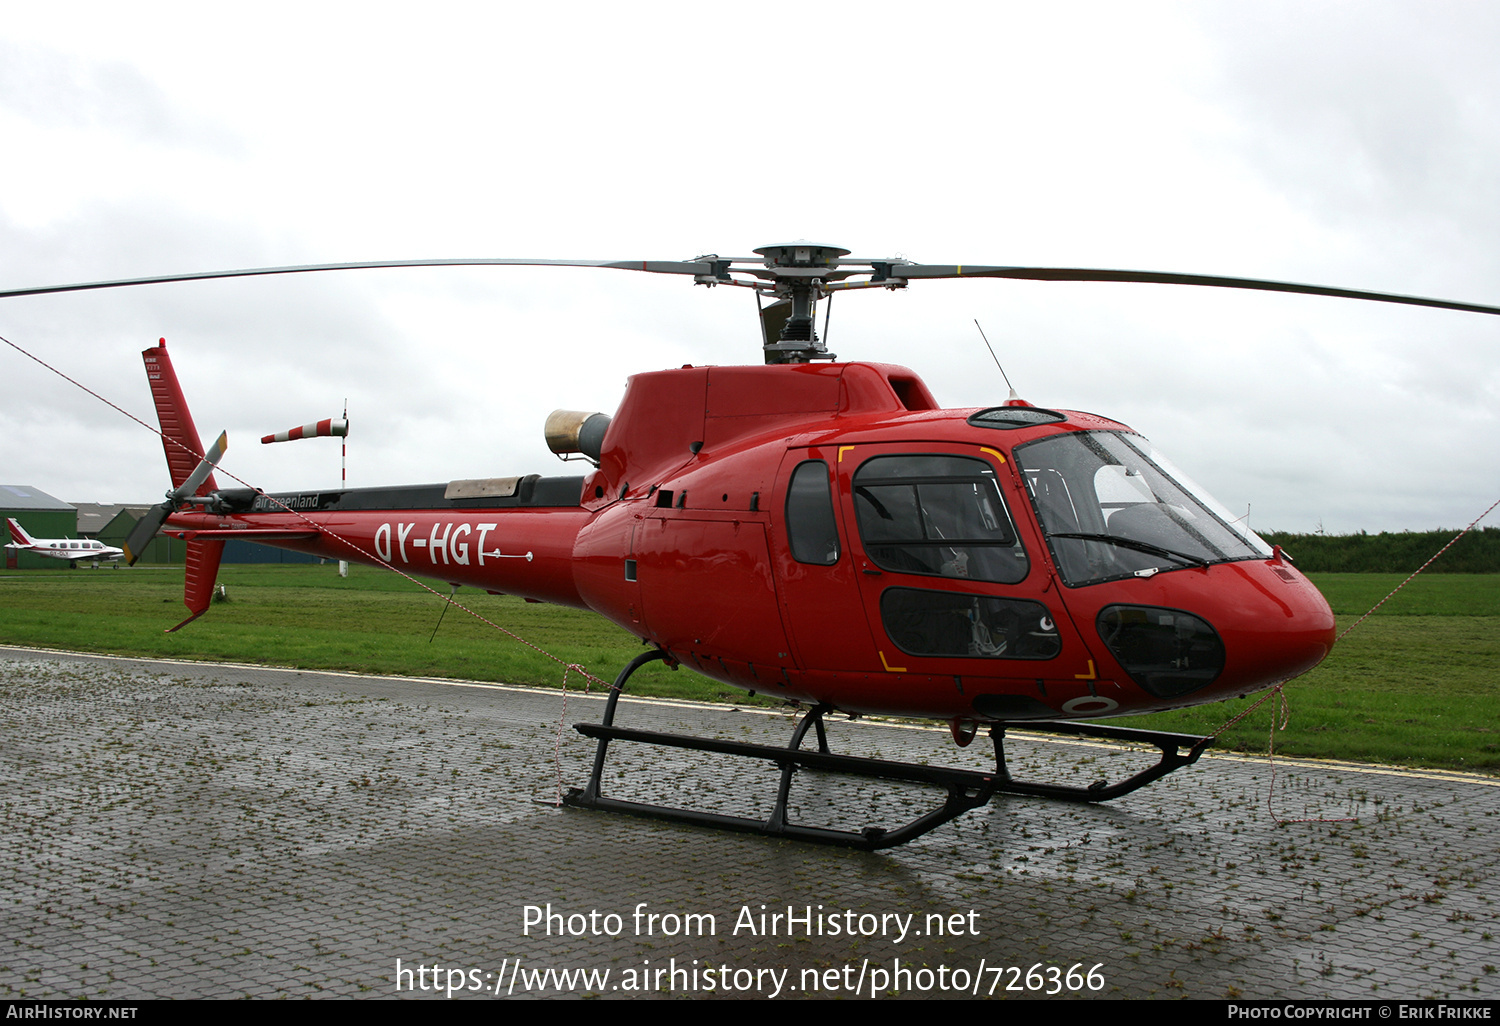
x=1355 y=145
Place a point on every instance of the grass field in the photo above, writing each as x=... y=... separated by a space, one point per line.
x=307 y=616
x=1417 y=684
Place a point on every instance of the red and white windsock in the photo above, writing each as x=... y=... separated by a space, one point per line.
x=319 y=429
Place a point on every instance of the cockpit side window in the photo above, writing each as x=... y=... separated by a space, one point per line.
x=810 y=525
x=937 y=515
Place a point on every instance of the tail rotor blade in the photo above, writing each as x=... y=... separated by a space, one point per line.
x=205 y=467
x=145 y=529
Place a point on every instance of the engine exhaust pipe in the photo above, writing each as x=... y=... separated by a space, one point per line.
x=570 y=431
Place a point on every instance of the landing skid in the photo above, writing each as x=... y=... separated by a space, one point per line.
x=966 y=789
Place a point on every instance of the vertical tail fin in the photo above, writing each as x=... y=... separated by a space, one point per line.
x=184 y=451
x=18 y=535
x=202 y=572
x=180 y=438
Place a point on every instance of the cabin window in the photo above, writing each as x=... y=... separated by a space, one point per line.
x=810 y=525
x=937 y=515
x=946 y=623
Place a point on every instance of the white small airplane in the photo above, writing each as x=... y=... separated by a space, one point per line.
x=71 y=549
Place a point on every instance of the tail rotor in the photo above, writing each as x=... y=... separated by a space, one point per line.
x=178 y=498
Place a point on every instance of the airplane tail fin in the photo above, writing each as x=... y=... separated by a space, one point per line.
x=18 y=536
x=180 y=438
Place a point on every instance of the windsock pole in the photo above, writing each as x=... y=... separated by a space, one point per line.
x=344 y=472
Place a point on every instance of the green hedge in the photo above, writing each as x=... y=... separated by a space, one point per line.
x=1478 y=552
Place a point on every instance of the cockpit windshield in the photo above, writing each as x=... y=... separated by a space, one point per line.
x=1113 y=506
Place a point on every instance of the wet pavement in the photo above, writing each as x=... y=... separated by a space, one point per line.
x=193 y=830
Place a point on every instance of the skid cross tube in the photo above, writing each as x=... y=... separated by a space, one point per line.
x=966 y=789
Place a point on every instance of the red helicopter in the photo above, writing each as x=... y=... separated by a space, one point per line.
x=824 y=532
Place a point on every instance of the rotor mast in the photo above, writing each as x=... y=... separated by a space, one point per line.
x=800 y=271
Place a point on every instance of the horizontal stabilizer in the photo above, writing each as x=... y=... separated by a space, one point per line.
x=252 y=534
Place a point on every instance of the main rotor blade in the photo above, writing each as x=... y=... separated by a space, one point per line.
x=910 y=271
x=716 y=268
x=653 y=266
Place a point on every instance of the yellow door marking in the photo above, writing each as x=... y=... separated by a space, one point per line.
x=992 y=452
x=888 y=667
x=843 y=449
x=1091 y=675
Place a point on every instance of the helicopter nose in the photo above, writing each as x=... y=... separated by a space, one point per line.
x=1282 y=629
x=1231 y=630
